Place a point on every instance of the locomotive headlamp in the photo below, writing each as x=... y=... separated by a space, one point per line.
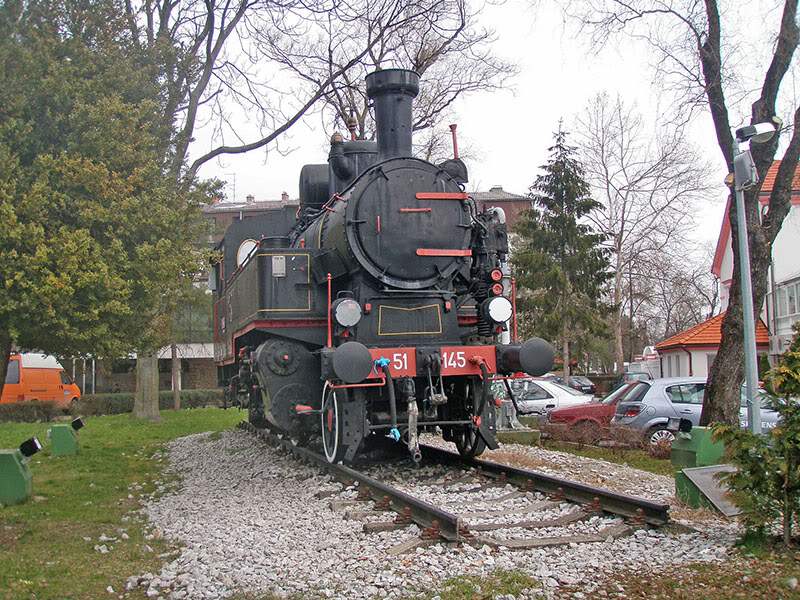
x=346 y=312
x=497 y=309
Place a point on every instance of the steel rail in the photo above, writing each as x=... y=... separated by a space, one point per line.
x=421 y=513
x=653 y=513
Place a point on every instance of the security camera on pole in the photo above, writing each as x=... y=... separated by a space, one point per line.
x=745 y=177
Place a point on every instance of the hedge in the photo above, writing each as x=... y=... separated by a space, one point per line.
x=104 y=404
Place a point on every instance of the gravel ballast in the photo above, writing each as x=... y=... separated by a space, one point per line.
x=248 y=519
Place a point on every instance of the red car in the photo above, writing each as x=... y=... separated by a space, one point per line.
x=597 y=414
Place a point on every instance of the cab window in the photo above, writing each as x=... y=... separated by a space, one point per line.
x=687 y=393
x=65 y=380
x=12 y=374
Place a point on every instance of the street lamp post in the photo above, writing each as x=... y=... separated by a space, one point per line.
x=745 y=176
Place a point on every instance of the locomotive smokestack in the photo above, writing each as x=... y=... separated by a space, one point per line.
x=393 y=91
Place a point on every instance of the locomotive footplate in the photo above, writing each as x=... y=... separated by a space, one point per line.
x=453 y=360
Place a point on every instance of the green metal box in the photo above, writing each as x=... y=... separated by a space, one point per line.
x=695 y=450
x=16 y=479
x=64 y=441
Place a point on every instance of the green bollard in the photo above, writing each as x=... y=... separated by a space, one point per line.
x=16 y=479
x=64 y=441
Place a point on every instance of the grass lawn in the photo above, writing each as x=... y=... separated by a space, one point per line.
x=47 y=545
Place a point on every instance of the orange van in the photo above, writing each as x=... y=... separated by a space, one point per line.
x=38 y=377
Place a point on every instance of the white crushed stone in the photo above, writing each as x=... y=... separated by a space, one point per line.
x=248 y=518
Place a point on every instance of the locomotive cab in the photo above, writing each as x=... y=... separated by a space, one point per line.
x=382 y=309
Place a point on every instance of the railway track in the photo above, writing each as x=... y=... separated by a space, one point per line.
x=477 y=502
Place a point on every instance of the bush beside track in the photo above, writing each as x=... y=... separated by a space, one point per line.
x=104 y=404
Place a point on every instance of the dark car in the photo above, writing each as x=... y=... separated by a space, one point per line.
x=576 y=382
x=629 y=376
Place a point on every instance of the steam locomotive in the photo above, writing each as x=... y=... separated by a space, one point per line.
x=379 y=307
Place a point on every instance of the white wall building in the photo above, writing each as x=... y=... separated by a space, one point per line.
x=782 y=305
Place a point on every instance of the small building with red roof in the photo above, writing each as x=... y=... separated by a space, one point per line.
x=782 y=305
x=691 y=352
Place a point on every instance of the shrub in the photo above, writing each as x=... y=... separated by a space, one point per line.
x=28 y=412
x=766 y=484
x=104 y=404
x=662 y=449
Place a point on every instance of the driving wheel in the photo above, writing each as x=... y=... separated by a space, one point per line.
x=468 y=441
x=331 y=424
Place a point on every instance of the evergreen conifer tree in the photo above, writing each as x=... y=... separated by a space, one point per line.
x=561 y=266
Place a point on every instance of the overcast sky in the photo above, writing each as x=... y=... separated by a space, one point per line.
x=510 y=130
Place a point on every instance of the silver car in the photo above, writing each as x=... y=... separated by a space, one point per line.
x=653 y=403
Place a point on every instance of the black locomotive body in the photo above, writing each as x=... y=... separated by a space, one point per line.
x=378 y=307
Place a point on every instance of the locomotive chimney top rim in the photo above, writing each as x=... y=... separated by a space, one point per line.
x=392 y=80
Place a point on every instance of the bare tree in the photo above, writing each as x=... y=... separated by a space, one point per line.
x=648 y=184
x=677 y=293
x=448 y=48
x=696 y=59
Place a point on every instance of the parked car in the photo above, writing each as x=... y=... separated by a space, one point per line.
x=599 y=412
x=660 y=400
x=576 y=382
x=538 y=396
x=629 y=376
x=38 y=378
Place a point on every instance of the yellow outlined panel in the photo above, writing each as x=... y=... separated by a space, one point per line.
x=426 y=307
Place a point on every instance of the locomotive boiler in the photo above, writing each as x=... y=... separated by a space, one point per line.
x=377 y=308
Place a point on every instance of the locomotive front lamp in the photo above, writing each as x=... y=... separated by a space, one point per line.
x=745 y=177
x=497 y=310
x=346 y=312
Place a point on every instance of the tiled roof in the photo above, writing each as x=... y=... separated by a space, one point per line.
x=709 y=333
x=769 y=178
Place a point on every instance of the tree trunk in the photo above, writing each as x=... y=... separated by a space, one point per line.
x=145 y=405
x=619 y=355
x=176 y=379
x=5 y=352
x=723 y=393
x=565 y=339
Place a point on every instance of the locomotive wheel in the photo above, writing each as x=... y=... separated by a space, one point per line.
x=301 y=439
x=255 y=414
x=331 y=423
x=468 y=443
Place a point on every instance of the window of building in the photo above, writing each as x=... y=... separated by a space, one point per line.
x=789 y=299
